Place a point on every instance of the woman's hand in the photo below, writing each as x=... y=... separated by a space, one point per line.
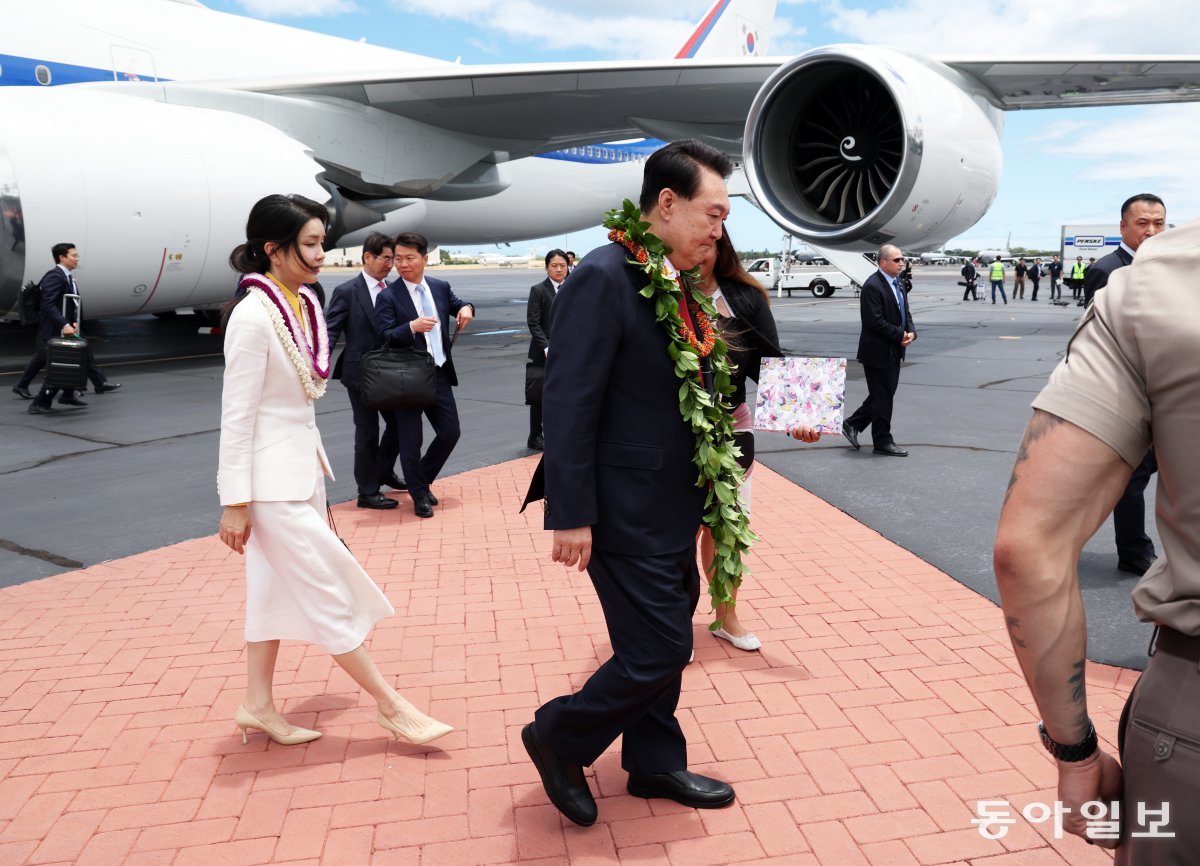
x=235 y=527
x=805 y=433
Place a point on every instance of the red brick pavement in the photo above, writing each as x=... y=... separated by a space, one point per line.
x=884 y=704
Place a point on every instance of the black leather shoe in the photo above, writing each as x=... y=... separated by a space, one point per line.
x=394 y=482
x=564 y=783
x=690 y=789
x=433 y=500
x=376 y=500
x=535 y=443
x=851 y=435
x=107 y=387
x=1137 y=566
x=890 y=450
x=422 y=507
x=35 y=409
x=69 y=399
x=23 y=393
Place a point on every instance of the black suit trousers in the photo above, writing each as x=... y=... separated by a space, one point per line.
x=420 y=471
x=648 y=603
x=374 y=457
x=1129 y=515
x=876 y=410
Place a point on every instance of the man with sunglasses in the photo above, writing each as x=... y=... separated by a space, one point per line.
x=887 y=329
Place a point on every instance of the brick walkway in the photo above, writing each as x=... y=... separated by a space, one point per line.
x=884 y=704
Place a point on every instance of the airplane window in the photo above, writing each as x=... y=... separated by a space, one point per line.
x=43 y=74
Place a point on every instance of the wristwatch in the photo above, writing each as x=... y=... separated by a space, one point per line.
x=1078 y=752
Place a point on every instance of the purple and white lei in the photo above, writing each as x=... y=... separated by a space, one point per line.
x=307 y=358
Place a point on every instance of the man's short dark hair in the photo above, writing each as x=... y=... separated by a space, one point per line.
x=555 y=253
x=677 y=167
x=414 y=241
x=60 y=251
x=376 y=242
x=1147 y=197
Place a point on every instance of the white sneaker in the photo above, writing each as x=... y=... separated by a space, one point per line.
x=747 y=642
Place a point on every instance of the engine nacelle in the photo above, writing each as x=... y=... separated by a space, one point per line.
x=154 y=195
x=853 y=146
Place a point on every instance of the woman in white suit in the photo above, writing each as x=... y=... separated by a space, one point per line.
x=301 y=581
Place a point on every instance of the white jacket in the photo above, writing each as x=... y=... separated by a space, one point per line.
x=269 y=436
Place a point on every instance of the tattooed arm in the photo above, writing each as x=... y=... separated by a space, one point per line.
x=1065 y=483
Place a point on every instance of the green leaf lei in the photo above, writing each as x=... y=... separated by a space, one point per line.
x=711 y=419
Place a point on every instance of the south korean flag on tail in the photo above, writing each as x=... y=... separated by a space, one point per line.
x=752 y=44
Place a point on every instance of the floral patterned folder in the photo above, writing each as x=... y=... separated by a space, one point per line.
x=796 y=391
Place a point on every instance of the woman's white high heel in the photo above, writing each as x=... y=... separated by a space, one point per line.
x=418 y=732
x=244 y=720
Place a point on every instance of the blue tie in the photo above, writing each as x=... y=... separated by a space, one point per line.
x=433 y=339
x=899 y=299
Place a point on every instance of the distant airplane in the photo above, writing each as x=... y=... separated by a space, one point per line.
x=175 y=118
x=989 y=256
x=505 y=260
x=940 y=258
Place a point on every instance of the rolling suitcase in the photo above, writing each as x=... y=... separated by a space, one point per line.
x=67 y=357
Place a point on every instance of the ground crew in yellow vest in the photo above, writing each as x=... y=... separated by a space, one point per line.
x=1077 y=270
x=996 y=275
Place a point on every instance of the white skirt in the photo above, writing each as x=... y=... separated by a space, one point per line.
x=301 y=581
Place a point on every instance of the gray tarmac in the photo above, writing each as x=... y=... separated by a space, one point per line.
x=136 y=470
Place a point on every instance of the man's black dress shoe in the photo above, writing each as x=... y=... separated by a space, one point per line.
x=851 y=435
x=23 y=393
x=564 y=783
x=690 y=789
x=107 y=387
x=432 y=499
x=890 y=450
x=376 y=500
x=422 y=507
x=394 y=482
x=535 y=443
x=69 y=399
x=35 y=409
x=1137 y=566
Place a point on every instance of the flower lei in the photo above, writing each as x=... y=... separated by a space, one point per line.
x=291 y=332
x=709 y=417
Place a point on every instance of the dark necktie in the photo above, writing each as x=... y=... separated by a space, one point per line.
x=899 y=293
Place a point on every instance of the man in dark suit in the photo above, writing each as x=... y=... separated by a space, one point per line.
x=59 y=281
x=887 y=329
x=622 y=500
x=1142 y=216
x=415 y=310
x=537 y=316
x=351 y=312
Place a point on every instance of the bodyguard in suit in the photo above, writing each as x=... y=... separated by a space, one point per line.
x=537 y=316
x=351 y=313
x=1142 y=217
x=622 y=500
x=887 y=329
x=59 y=281
x=415 y=311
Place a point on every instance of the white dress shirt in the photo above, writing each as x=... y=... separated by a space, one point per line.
x=419 y=305
x=374 y=286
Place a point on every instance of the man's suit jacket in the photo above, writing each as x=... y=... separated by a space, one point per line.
x=270 y=448
x=882 y=328
x=351 y=314
x=618 y=456
x=1096 y=277
x=537 y=316
x=54 y=286
x=394 y=310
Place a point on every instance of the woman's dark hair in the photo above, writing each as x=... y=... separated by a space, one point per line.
x=677 y=167
x=276 y=219
x=729 y=266
x=556 y=253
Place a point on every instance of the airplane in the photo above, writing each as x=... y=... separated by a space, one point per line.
x=175 y=118
x=506 y=261
x=989 y=256
x=940 y=258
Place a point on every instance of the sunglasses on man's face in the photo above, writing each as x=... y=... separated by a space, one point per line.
x=898 y=260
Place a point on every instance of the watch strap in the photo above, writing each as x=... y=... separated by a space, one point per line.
x=1080 y=751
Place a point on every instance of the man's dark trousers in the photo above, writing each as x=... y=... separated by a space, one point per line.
x=649 y=618
x=420 y=472
x=374 y=458
x=1129 y=515
x=876 y=410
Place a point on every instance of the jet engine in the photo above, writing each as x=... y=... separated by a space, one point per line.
x=154 y=196
x=853 y=146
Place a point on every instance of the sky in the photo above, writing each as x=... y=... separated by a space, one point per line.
x=1061 y=166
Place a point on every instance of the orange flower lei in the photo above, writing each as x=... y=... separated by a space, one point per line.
x=708 y=336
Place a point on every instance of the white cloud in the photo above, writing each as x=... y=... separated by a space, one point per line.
x=297 y=8
x=1018 y=27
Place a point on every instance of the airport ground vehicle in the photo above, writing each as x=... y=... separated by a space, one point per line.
x=1089 y=241
x=775 y=276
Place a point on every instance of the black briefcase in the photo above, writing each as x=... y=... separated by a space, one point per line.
x=66 y=363
x=395 y=378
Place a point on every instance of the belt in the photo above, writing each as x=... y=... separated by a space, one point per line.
x=1175 y=643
